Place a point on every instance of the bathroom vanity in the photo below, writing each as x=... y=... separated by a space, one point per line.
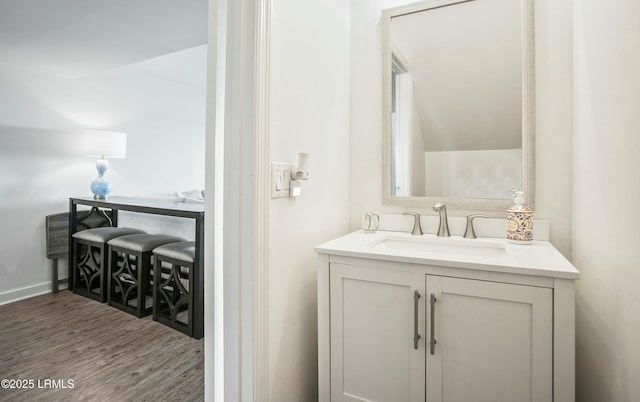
x=425 y=318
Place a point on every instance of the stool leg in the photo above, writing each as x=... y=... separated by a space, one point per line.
x=104 y=266
x=156 y=282
x=82 y=261
x=74 y=271
x=143 y=281
x=109 y=262
x=176 y=290
x=115 y=284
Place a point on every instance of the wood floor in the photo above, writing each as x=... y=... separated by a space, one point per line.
x=109 y=355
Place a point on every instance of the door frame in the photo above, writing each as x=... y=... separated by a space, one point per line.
x=236 y=210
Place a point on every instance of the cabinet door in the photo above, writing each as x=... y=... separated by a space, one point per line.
x=373 y=322
x=493 y=341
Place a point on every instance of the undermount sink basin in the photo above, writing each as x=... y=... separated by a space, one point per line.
x=444 y=246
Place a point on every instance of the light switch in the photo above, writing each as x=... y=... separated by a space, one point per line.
x=280 y=179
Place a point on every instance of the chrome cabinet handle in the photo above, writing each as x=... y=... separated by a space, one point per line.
x=416 y=335
x=432 y=342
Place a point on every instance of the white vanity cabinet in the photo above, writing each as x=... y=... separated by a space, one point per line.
x=372 y=331
x=404 y=326
x=493 y=341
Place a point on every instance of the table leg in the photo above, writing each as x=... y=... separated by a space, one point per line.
x=54 y=275
x=73 y=225
x=198 y=279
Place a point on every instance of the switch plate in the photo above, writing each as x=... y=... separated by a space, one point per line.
x=280 y=179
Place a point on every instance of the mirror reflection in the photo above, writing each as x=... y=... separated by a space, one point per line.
x=457 y=101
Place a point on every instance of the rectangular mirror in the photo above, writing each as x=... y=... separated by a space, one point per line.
x=458 y=103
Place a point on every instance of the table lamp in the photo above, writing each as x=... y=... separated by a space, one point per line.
x=103 y=144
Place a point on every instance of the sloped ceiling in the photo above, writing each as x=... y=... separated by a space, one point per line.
x=466 y=64
x=74 y=38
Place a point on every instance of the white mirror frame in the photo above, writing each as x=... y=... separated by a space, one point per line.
x=528 y=114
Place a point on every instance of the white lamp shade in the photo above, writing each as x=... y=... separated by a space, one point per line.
x=103 y=143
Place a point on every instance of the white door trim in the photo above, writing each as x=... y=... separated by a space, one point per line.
x=237 y=204
x=261 y=200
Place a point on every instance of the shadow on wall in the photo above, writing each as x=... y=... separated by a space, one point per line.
x=596 y=379
x=41 y=166
x=297 y=353
x=25 y=141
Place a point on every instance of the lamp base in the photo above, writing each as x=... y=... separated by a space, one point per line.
x=100 y=187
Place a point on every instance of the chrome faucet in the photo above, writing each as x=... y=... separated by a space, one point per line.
x=417 y=228
x=443 y=228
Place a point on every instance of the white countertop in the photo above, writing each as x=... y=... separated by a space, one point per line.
x=539 y=258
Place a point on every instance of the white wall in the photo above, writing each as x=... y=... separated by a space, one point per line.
x=309 y=109
x=41 y=120
x=554 y=115
x=606 y=194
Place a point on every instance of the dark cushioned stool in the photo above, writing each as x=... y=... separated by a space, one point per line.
x=173 y=287
x=90 y=260
x=130 y=271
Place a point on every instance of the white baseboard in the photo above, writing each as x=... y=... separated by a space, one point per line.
x=14 y=295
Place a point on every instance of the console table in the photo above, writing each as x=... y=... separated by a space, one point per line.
x=152 y=207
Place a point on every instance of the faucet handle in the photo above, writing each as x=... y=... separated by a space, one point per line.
x=469 y=233
x=417 y=228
